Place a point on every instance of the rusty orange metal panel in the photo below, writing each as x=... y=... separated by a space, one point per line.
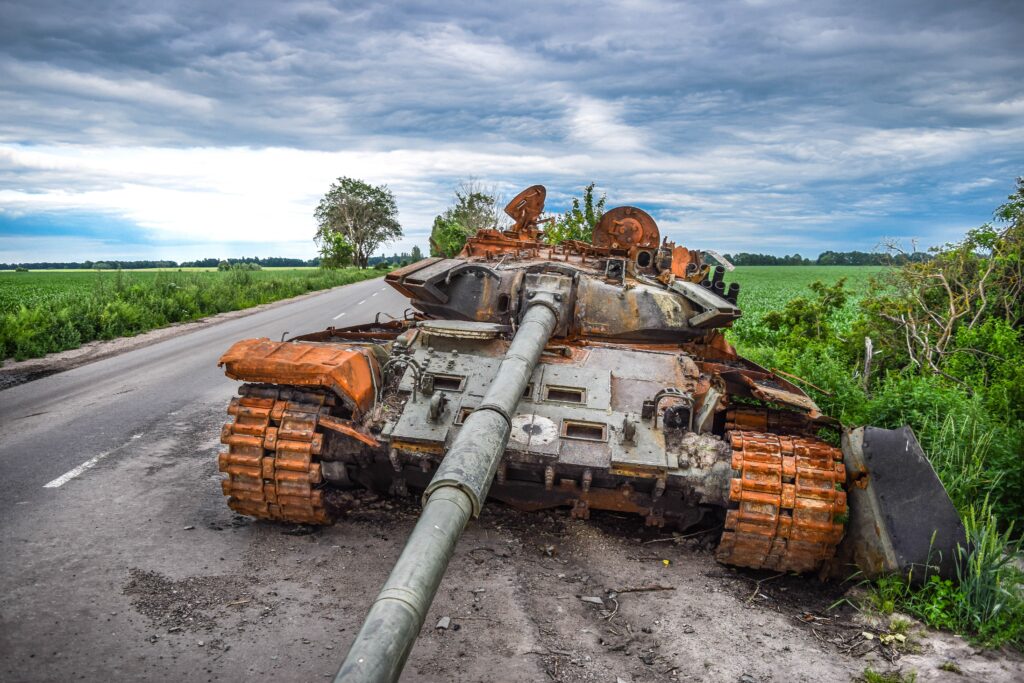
x=349 y=429
x=680 y=260
x=348 y=372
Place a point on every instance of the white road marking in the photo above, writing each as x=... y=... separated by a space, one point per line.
x=71 y=474
x=339 y=315
x=361 y=302
x=68 y=476
x=375 y=294
x=88 y=464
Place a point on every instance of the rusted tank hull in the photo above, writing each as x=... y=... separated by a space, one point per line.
x=591 y=376
x=585 y=436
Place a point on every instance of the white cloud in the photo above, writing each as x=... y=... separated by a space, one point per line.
x=92 y=86
x=594 y=124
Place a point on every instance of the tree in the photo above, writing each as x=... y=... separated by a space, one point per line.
x=475 y=208
x=364 y=215
x=335 y=251
x=579 y=221
x=416 y=255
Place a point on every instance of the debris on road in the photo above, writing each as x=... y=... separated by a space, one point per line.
x=643 y=589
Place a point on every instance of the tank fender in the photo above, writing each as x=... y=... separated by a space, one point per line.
x=352 y=373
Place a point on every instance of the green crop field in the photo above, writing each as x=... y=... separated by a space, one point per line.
x=767 y=288
x=46 y=311
x=32 y=288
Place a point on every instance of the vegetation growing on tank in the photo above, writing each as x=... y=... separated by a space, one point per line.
x=475 y=206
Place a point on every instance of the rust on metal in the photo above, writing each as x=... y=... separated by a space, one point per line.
x=626 y=227
x=525 y=209
x=272 y=461
x=348 y=428
x=790 y=506
x=351 y=373
x=644 y=319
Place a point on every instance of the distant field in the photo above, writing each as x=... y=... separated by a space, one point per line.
x=768 y=288
x=153 y=270
x=32 y=288
x=763 y=288
x=46 y=311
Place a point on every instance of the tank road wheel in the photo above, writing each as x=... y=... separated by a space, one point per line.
x=272 y=461
x=789 y=506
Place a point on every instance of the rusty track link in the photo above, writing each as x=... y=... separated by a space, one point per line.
x=791 y=506
x=272 y=459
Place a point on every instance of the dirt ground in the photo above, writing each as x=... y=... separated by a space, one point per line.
x=138 y=571
x=522 y=599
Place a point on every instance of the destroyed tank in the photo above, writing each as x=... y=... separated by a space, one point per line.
x=585 y=375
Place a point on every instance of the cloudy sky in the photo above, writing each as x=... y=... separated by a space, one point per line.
x=188 y=129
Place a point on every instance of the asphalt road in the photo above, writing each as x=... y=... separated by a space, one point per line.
x=53 y=425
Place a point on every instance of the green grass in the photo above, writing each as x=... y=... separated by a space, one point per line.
x=871 y=676
x=46 y=311
x=197 y=269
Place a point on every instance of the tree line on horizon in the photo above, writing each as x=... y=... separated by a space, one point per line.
x=830 y=258
x=355 y=219
x=266 y=262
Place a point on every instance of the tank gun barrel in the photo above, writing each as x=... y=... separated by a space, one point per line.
x=456 y=492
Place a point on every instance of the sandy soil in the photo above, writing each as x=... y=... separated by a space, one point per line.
x=542 y=597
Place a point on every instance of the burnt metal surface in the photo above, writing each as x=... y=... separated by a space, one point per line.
x=272 y=462
x=790 y=506
x=350 y=373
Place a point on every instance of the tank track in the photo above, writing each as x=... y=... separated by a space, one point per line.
x=272 y=461
x=790 y=508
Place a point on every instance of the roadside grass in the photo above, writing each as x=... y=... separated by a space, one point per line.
x=45 y=312
x=872 y=676
x=984 y=602
x=974 y=448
